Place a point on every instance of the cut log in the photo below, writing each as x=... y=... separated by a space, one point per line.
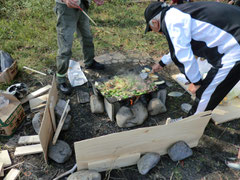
x=26 y=150
x=5 y=158
x=12 y=174
x=36 y=93
x=28 y=140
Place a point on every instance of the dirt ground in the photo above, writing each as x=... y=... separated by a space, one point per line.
x=207 y=162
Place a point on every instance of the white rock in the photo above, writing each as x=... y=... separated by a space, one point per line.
x=155 y=106
x=60 y=152
x=133 y=116
x=36 y=122
x=162 y=95
x=147 y=162
x=186 y=107
x=96 y=104
x=85 y=175
x=175 y=94
x=103 y=58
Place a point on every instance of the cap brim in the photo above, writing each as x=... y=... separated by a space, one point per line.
x=148 y=28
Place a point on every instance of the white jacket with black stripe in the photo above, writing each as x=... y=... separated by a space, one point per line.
x=206 y=29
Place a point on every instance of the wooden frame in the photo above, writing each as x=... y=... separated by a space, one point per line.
x=151 y=139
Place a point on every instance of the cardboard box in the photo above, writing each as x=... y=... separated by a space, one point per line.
x=8 y=74
x=11 y=115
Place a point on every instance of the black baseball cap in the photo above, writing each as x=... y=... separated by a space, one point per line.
x=151 y=11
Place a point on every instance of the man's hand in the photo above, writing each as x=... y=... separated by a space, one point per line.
x=99 y=2
x=156 y=68
x=72 y=3
x=193 y=88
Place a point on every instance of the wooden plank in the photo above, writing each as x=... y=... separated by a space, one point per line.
x=223 y=112
x=151 y=139
x=35 y=94
x=1 y=169
x=114 y=163
x=61 y=122
x=227 y=111
x=5 y=158
x=38 y=101
x=12 y=174
x=26 y=150
x=53 y=95
x=39 y=108
x=28 y=140
x=46 y=130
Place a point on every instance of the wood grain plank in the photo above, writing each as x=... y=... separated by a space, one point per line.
x=114 y=163
x=1 y=169
x=5 y=158
x=38 y=101
x=12 y=174
x=26 y=150
x=151 y=139
x=29 y=140
x=36 y=93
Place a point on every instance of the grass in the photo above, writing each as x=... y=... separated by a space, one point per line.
x=28 y=33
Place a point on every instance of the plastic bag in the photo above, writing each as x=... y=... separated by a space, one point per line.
x=75 y=75
x=5 y=61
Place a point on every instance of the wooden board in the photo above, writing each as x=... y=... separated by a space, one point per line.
x=46 y=132
x=114 y=163
x=28 y=140
x=61 y=122
x=38 y=101
x=227 y=111
x=1 y=169
x=151 y=139
x=223 y=112
x=26 y=150
x=53 y=95
x=12 y=174
x=39 y=108
x=35 y=94
x=5 y=158
x=46 y=129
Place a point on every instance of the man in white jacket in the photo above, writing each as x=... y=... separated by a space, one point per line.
x=69 y=20
x=205 y=29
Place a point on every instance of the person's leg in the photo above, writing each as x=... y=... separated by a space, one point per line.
x=86 y=40
x=215 y=87
x=66 y=26
x=85 y=36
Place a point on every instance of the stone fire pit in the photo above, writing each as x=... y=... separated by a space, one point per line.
x=134 y=109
